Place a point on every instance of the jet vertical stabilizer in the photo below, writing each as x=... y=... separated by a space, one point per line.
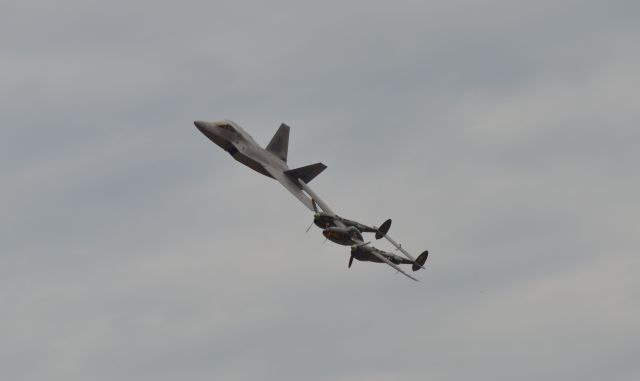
x=279 y=144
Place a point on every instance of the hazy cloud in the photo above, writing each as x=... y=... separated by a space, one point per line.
x=500 y=136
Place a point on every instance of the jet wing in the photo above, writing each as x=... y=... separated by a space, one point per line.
x=317 y=200
x=292 y=187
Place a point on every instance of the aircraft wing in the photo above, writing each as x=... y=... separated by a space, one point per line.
x=317 y=200
x=292 y=187
x=385 y=260
x=402 y=250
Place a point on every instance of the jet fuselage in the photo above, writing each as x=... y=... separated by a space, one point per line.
x=270 y=161
x=241 y=146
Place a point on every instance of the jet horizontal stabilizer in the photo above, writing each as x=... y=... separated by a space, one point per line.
x=306 y=173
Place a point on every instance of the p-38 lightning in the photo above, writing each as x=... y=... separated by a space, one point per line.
x=349 y=233
x=271 y=161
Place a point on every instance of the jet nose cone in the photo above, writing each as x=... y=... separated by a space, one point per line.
x=200 y=125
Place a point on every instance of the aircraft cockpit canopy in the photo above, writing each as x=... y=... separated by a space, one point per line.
x=226 y=126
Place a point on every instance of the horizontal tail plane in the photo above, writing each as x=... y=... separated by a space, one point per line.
x=306 y=173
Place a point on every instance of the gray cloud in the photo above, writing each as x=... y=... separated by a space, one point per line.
x=500 y=136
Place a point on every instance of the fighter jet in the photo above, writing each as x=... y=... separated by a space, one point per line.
x=270 y=161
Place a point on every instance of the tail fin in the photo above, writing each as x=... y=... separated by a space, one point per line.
x=383 y=229
x=279 y=144
x=306 y=173
x=422 y=258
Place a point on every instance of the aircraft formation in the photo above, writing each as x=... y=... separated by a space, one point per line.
x=271 y=161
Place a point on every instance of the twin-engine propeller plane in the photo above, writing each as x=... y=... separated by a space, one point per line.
x=272 y=162
x=342 y=235
x=346 y=232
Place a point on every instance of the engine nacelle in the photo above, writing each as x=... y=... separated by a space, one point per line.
x=342 y=235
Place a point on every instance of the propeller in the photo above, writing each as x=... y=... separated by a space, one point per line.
x=315 y=218
x=354 y=248
x=309 y=228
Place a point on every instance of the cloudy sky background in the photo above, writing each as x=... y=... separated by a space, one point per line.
x=502 y=136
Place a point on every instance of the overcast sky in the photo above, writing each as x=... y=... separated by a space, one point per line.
x=502 y=136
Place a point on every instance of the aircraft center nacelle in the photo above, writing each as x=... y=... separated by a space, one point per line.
x=323 y=220
x=342 y=235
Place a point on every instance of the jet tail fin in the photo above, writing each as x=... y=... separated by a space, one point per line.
x=422 y=258
x=279 y=144
x=306 y=173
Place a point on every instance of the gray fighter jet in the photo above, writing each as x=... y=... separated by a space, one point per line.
x=270 y=161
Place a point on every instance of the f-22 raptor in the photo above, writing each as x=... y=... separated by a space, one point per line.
x=270 y=161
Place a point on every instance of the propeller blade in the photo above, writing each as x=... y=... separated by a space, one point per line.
x=307 y=231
